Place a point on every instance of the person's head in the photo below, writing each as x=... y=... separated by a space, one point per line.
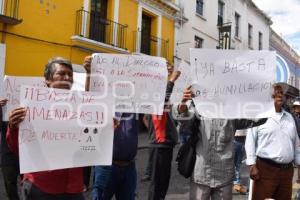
x=296 y=107
x=278 y=96
x=59 y=73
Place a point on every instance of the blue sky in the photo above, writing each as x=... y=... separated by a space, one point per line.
x=285 y=15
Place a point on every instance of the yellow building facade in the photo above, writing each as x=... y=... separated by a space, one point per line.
x=33 y=31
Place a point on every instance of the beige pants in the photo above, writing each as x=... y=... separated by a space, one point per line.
x=203 y=192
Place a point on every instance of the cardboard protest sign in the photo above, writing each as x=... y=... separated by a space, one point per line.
x=233 y=84
x=11 y=88
x=184 y=80
x=135 y=83
x=64 y=129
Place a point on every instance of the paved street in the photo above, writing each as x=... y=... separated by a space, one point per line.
x=179 y=186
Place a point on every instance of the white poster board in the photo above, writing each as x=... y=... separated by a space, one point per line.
x=136 y=84
x=12 y=84
x=79 y=81
x=64 y=129
x=184 y=80
x=11 y=88
x=233 y=84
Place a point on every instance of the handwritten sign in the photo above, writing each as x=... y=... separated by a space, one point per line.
x=64 y=129
x=11 y=87
x=233 y=84
x=79 y=81
x=136 y=84
x=184 y=80
x=12 y=84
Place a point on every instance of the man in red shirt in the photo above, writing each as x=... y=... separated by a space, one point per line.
x=63 y=184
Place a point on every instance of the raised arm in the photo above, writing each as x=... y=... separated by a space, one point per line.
x=249 y=123
x=174 y=76
x=87 y=66
x=187 y=95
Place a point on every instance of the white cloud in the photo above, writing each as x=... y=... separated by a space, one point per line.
x=285 y=15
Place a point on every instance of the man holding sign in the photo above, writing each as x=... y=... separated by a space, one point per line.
x=57 y=184
x=225 y=84
x=213 y=172
x=271 y=150
x=118 y=179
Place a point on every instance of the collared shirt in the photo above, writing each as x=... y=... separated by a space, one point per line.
x=214 y=160
x=277 y=140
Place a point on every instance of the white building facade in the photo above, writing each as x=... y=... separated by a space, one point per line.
x=242 y=26
x=288 y=61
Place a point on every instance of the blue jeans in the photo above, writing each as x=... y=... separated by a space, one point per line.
x=101 y=178
x=239 y=152
x=115 y=180
x=184 y=136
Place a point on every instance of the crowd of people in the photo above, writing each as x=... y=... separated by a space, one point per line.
x=272 y=150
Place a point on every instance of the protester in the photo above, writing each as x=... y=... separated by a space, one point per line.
x=184 y=132
x=120 y=178
x=148 y=170
x=213 y=172
x=164 y=137
x=9 y=162
x=296 y=115
x=239 y=152
x=62 y=184
x=271 y=150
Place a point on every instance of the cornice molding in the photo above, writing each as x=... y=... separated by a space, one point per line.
x=165 y=7
x=278 y=43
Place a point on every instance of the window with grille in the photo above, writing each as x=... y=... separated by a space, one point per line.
x=220 y=13
x=198 y=42
x=237 y=25
x=260 y=38
x=199 y=7
x=250 y=35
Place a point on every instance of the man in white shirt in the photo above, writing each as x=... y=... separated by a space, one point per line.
x=271 y=150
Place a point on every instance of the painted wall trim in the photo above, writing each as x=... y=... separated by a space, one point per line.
x=157 y=10
x=159 y=24
x=86 y=7
x=171 y=4
x=2 y=63
x=116 y=19
x=98 y=44
x=139 y=24
x=198 y=30
x=139 y=29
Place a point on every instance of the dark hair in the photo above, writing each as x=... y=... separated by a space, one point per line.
x=50 y=66
x=276 y=86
